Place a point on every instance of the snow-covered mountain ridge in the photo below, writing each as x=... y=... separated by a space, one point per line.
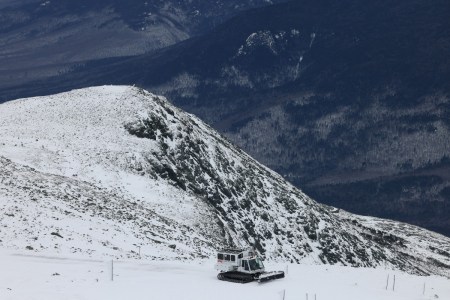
x=105 y=170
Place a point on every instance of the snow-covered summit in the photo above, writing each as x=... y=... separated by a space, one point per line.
x=114 y=170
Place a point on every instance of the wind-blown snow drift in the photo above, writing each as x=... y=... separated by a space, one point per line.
x=106 y=170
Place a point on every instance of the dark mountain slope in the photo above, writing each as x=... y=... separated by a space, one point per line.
x=40 y=39
x=349 y=100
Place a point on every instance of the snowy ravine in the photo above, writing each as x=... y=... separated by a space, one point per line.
x=114 y=170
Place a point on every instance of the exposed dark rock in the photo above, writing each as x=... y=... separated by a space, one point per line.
x=56 y=234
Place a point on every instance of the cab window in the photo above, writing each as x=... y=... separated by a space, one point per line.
x=233 y=258
x=220 y=256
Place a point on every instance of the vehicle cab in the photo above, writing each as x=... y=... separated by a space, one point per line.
x=245 y=261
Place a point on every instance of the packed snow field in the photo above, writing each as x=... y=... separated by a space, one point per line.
x=32 y=277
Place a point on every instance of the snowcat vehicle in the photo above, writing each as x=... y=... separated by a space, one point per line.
x=237 y=265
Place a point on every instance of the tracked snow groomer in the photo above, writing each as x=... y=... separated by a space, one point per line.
x=237 y=265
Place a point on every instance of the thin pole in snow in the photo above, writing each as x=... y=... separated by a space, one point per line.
x=315 y=297
x=393 y=285
x=112 y=270
x=306 y=296
x=423 y=293
x=387 y=282
x=284 y=293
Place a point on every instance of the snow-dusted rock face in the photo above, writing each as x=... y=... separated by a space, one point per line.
x=106 y=170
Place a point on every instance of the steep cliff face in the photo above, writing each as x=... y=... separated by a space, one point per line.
x=104 y=170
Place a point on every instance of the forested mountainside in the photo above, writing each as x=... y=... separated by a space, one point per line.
x=41 y=39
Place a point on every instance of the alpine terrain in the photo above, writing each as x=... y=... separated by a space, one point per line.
x=348 y=100
x=117 y=171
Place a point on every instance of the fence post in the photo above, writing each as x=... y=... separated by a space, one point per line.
x=387 y=282
x=393 y=285
x=112 y=269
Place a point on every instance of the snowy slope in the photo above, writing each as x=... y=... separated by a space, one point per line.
x=106 y=170
x=55 y=278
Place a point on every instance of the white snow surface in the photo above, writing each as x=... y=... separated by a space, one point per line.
x=107 y=171
x=33 y=277
x=76 y=145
